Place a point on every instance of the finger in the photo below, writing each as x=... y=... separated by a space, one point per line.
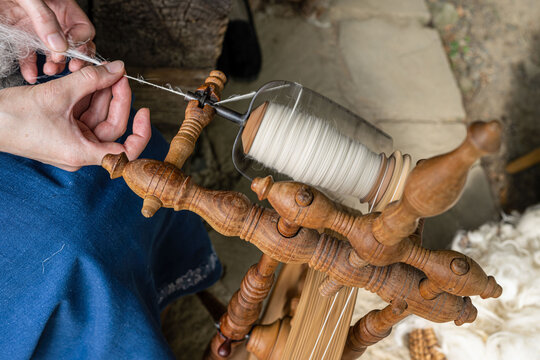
x=81 y=29
x=82 y=106
x=29 y=68
x=142 y=131
x=118 y=115
x=133 y=146
x=87 y=133
x=97 y=110
x=52 y=68
x=82 y=32
x=57 y=58
x=45 y=24
x=90 y=79
x=88 y=49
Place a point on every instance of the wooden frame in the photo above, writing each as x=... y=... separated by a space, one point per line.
x=383 y=253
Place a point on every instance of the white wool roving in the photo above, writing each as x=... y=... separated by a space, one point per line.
x=507 y=327
x=16 y=44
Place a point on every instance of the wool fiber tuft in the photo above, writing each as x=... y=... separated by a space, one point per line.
x=507 y=327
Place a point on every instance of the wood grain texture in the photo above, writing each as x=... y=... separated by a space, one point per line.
x=268 y=341
x=232 y=214
x=372 y=328
x=432 y=187
x=379 y=252
x=245 y=307
x=196 y=119
x=435 y=184
x=173 y=33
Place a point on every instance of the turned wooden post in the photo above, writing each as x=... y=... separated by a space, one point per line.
x=183 y=143
x=372 y=328
x=244 y=308
x=435 y=184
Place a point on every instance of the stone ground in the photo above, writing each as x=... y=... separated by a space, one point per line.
x=494 y=49
x=383 y=60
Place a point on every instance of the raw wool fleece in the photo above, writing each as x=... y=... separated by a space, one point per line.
x=507 y=327
x=17 y=43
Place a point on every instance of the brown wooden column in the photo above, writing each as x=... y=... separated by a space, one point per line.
x=372 y=328
x=244 y=308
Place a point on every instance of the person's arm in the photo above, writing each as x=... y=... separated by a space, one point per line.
x=72 y=121
x=54 y=22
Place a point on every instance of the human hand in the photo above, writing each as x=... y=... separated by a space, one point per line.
x=73 y=121
x=52 y=21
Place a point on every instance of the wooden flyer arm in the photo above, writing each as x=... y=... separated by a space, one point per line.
x=432 y=187
x=232 y=214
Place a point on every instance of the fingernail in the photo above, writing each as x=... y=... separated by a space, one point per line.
x=57 y=42
x=115 y=66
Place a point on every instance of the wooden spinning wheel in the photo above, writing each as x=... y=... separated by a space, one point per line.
x=380 y=251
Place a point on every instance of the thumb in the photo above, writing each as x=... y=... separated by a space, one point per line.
x=90 y=79
x=45 y=24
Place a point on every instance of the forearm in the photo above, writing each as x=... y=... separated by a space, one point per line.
x=14 y=132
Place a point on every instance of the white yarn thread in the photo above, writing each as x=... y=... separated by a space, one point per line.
x=323 y=327
x=351 y=292
x=235 y=97
x=310 y=150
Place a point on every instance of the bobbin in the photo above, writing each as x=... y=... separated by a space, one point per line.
x=392 y=171
x=390 y=181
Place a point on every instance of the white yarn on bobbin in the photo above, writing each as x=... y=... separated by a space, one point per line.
x=308 y=149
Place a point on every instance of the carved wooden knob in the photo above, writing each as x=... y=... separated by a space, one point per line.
x=115 y=164
x=469 y=313
x=460 y=266
x=304 y=196
x=286 y=228
x=262 y=186
x=151 y=204
x=452 y=272
x=435 y=184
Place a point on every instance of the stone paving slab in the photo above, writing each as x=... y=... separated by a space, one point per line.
x=400 y=71
x=410 y=10
x=296 y=50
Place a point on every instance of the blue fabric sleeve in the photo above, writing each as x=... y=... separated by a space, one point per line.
x=84 y=274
